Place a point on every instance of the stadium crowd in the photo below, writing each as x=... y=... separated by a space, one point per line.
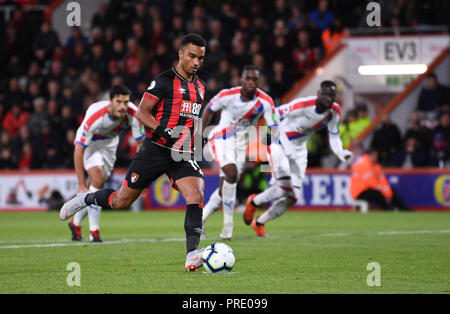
x=46 y=85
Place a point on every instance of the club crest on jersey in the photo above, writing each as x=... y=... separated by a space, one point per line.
x=134 y=177
x=201 y=91
x=190 y=109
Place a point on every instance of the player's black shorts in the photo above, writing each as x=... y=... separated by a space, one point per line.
x=152 y=161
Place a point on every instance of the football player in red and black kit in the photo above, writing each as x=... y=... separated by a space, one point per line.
x=170 y=110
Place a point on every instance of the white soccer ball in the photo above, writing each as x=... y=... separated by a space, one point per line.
x=218 y=257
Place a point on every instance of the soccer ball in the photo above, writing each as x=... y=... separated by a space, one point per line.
x=218 y=257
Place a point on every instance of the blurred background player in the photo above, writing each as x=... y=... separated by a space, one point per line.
x=96 y=144
x=171 y=110
x=369 y=183
x=239 y=107
x=288 y=156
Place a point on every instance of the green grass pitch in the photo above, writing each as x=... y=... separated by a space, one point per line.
x=305 y=252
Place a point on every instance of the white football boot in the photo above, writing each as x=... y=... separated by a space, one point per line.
x=194 y=260
x=74 y=205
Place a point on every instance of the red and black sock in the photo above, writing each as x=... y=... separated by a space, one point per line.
x=100 y=198
x=193 y=226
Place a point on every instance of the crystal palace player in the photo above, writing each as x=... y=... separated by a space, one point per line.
x=288 y=156
x=95 y=150
x=240 y=107
x=171 y=104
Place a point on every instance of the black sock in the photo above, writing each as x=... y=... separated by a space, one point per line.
x=193 y=226
x=100 y=198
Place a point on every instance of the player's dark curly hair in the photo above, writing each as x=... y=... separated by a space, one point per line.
x=250 y=67
x=328 y=83
x=194 y=39
x=119 y=90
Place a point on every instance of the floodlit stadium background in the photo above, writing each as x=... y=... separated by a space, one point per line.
x=51 y=71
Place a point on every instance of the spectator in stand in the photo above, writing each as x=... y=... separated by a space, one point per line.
x=240 y=57
x=71 y=99
x=412 y=154
x=431 y=96
x=26 y=158
x=259 y=31
x=280 y=51
x=440 y=150
x=23 y=137
x=98 y=59
x=278 y=79
x=7 y=159
x=14 y=119
x=322 y=17
x=404 y=12
x=332 y=36
x=345 y=128
x=48 y=141
x=53 y=91
x=76 y=37
x=67 y=149
x=420 y=133
x=444 y=126
x=223 y=76
x=368 y=182
x=354 y=124
x=56 y=71
x=100 y=18
x=14 y=95
x=362 y=118
x=39 y=115
x=215 y=55
x=304 y=56
x=5 y=140
x=387 y=140
x=47 y=39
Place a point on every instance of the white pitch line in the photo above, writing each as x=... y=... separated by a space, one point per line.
x=45 y=244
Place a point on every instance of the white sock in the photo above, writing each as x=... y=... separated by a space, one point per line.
x=276 y=210
x=79 y=216
x=228 y=196
x=266 y=197
x=228 y=201
x=213 y=204
x=94 y=212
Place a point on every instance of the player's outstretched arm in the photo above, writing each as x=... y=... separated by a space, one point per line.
x=336 y=147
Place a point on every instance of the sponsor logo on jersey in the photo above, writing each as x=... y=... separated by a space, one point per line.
x=190 y=109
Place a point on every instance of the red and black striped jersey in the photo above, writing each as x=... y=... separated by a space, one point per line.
x=179 y=107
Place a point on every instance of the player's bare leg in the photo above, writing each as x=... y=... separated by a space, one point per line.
x=124 y=198
x=191 y=188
